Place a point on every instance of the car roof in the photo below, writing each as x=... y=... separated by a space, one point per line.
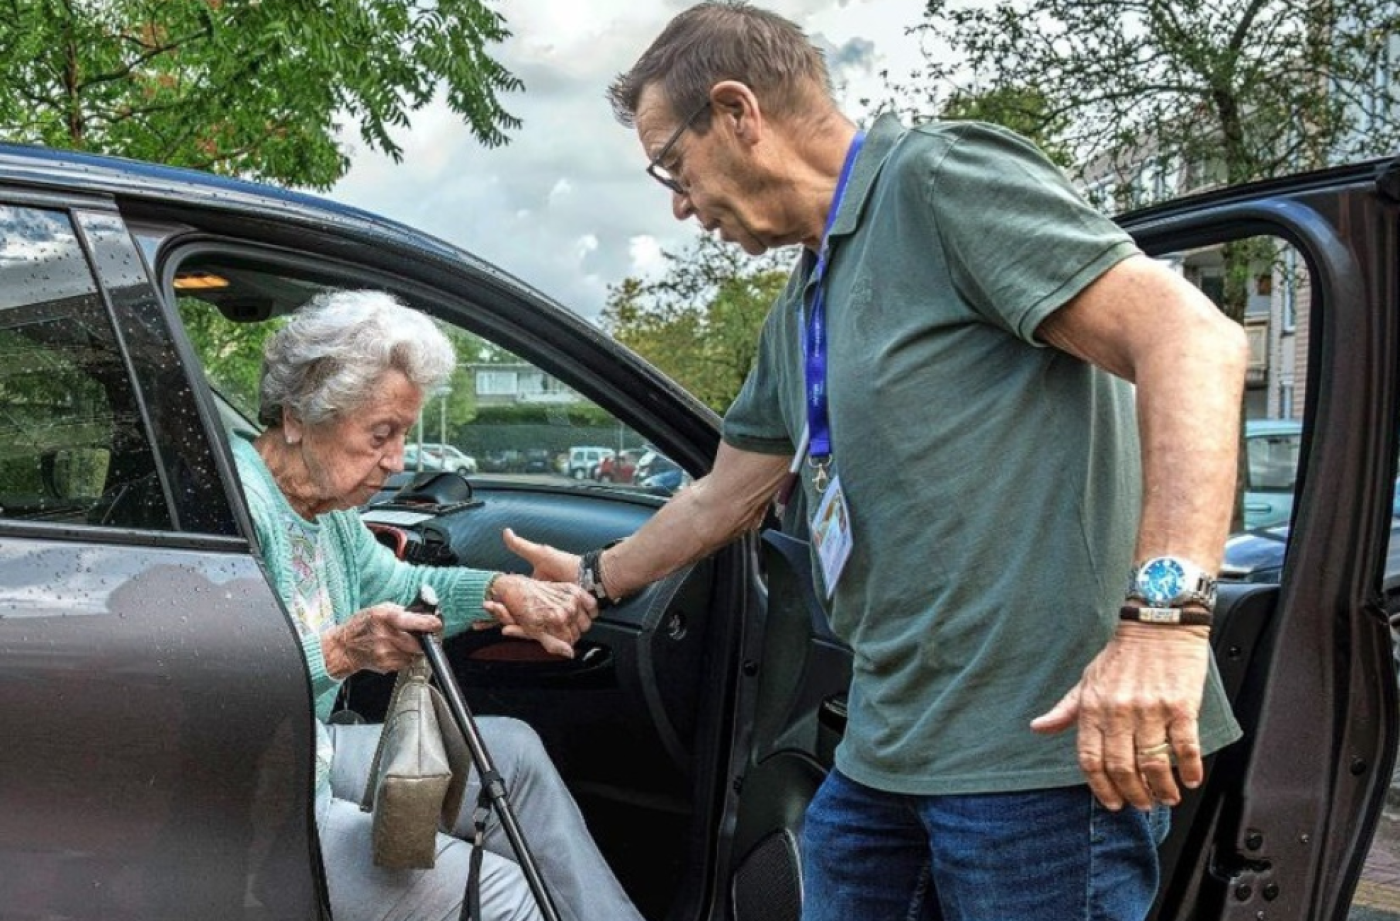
x=1272 y=426
x=49 y=168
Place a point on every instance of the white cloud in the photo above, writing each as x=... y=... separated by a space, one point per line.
x=646 y=254
x=565 y=206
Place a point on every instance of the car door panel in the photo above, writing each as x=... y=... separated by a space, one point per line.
x=1307 y=782
x=156 y=716
x=182 y=657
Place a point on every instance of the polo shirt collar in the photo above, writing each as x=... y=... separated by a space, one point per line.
x=879 y=141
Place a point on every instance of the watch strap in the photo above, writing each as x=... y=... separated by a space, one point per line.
x=1167 y=617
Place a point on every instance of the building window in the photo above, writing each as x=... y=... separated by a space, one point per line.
x=496 y=383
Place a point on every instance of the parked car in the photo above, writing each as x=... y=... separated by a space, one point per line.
x=414 y=459
x=502 y=461
x=451 y=457
x=618 y=468
x=154 y=704
x=1271 y=468
x=584 y=460
x=539 y=460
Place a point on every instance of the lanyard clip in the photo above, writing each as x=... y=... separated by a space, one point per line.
x=821 y=475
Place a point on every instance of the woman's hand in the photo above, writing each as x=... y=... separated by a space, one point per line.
x=553 y=614
x=382 y=639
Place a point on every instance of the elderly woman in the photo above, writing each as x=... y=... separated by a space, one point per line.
x=342 y=385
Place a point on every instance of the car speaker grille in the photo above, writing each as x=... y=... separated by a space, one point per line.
x=768 y=884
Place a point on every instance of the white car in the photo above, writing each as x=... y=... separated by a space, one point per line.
x=451 y=457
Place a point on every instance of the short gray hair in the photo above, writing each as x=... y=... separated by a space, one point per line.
x=725 y=40
x=333 y=351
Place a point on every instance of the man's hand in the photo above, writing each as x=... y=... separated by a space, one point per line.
x=1137 y=706
x=381 y=639
x=554 y=614
x=547 y=563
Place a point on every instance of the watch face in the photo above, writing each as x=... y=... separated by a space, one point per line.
x=1161 y=580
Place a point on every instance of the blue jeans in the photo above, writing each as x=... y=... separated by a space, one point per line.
x=1054 y=854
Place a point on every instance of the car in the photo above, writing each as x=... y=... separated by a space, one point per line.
x=1271 y=467
x=451 y=457
x=416 y=460
x=584 y=460
x=618 y=468
x=154 y=702
x=539 y=460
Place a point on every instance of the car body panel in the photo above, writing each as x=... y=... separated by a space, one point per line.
x=132 y=786
x=1312 y=773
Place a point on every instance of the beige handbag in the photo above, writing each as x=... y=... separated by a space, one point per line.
x=419 y=773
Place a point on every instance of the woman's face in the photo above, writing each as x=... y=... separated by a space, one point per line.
x=349 y=458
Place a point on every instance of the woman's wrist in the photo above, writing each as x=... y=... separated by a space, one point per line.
x=338 y=664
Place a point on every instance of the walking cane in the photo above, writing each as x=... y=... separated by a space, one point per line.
x=493 y=788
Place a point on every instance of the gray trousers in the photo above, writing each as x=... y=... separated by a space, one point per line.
x=577 y=876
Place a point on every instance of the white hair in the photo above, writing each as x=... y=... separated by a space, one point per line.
x=330 y=356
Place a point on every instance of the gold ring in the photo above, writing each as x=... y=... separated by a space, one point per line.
x=1152 y=751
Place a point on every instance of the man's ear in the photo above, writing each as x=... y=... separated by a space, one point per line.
x=736 y=105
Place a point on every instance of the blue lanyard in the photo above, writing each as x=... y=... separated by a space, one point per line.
x=814 y=333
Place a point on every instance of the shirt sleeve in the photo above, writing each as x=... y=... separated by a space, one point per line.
x=384 y=577
x=1019 y=241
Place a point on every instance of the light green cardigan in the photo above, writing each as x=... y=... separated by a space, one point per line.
x=359 y=572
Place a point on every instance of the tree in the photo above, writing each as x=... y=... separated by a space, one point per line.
x=1228 y=91
x=1188 y=93
x=699 y=322
x=253 y=88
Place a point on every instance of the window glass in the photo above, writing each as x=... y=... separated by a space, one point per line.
x=72 y=442
x=499 y=416
x=1273 y=457
x=1258 y=281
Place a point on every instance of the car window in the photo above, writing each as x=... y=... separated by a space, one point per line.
x=499 y=415
x=1262 y=282
x=1272 y=460
x=73 y=447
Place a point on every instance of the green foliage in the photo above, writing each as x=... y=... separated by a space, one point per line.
x=699 y=323
x=231 y=352
x=251 y=88
x=1225 y=91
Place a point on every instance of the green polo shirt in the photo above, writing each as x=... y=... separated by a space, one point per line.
x=993 y=484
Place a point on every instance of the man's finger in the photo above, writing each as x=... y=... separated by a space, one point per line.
x=1124 y=770
x=1061 y=716
x=1091 y=763
x=1186 y=746
x=1155 y=770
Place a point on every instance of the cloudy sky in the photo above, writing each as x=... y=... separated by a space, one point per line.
x=566 y=205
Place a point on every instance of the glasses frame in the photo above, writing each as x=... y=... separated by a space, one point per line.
x=655 y=170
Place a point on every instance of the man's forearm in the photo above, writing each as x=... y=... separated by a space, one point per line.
x=700 y=519
x=1189 y=421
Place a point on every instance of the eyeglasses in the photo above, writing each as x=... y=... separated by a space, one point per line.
x=658 y=172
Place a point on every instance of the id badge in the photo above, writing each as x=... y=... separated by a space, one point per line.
x=831 y=532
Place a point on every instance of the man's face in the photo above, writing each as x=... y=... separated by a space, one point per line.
x=714 y=175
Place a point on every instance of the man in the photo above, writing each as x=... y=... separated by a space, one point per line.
x=968 y=336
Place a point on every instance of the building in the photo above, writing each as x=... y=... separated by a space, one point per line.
x=502 y=384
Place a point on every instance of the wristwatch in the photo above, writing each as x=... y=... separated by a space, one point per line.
x=1172 y=582
x=590 y=574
